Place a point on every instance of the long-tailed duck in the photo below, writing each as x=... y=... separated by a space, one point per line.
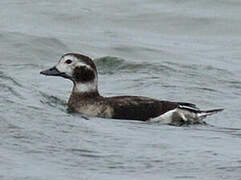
x=86 y=99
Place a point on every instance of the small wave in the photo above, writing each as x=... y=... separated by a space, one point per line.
x=196 y=67
x=136 y=48
x=85 y=153
x=6 y=126
x=22 y=66
x=111 y=65
x=9 y=85
x=53 y=101
x=9 y=78
x=6 y=89
x=234 y=84
x=108 y=64
x=205 y=89
x=212 y=128
x=30 y=48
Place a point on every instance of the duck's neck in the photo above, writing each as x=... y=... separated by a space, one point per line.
x=86 y=89
x=79 y=98
x=82 y=94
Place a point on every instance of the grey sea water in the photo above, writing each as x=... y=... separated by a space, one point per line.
x=173 y=50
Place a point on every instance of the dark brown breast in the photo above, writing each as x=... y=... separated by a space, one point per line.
x=138 y=108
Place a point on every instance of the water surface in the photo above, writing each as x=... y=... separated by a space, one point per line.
x=172 y=50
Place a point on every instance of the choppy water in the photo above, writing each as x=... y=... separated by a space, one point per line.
x=173 y=50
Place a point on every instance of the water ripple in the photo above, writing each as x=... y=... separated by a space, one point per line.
x=111 y=65
x=85 y=153
x=6 y=89
x=3 y=76
x=53 y=101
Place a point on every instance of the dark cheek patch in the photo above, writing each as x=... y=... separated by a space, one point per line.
x=83 y=74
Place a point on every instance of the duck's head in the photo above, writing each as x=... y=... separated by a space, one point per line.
x=78 y=68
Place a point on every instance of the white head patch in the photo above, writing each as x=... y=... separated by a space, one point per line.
x=68 y=63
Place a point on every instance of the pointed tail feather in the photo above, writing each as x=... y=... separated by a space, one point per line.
x=195 y=114
x=204 y=114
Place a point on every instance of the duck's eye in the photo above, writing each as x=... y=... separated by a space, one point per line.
x=68 y=61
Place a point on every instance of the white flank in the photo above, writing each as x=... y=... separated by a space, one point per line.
x=165 y=118
x=176 y=116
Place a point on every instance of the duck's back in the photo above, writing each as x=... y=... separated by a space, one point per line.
x=137 y=107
